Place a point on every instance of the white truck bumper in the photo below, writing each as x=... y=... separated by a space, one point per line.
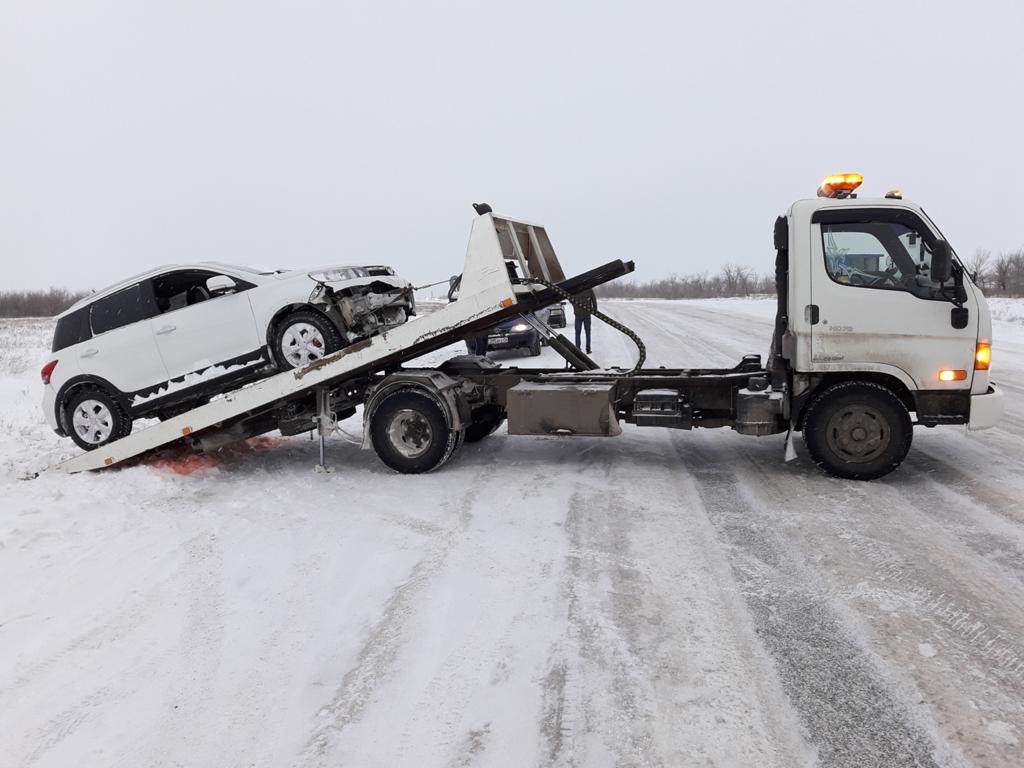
x=986 y=409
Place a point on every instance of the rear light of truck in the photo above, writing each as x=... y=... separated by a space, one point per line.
x=47 y=371
x=983 y=356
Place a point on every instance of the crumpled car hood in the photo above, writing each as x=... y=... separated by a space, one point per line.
x=300 y=274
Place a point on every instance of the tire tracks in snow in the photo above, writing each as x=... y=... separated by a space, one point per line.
x=653 y=671
x=842 y=697
x=129 y=620
x=383 y=643
x=892 y=556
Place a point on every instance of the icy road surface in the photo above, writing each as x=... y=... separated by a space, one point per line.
x=658 y=599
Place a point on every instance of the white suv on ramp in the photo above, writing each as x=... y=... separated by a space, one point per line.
x=165 y=341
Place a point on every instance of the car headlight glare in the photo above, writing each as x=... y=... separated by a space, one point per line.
x=520 y=327
x=332 y=275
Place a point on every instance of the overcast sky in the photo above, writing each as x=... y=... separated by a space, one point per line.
x=307 y=133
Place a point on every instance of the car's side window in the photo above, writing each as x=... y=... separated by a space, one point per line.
x=885 y=255
x=126 y=306
x=185 y=288
x=72 y=329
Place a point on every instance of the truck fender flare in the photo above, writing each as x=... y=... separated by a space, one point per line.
x=889 y=376
x=440 y=387
x=884 y=369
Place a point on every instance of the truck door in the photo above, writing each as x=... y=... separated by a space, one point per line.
x=874 y=304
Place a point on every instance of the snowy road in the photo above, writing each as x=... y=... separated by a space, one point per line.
x=658 y=599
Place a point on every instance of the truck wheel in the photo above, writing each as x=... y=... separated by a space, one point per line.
x=858 y=430
x=302 y=338
x=484 y=423
x=95 y=418
x=410 y=432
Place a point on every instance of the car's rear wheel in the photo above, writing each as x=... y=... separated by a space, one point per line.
x=304 y=337
x=95 y=418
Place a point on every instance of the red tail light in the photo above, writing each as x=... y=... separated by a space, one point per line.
x=48 y=371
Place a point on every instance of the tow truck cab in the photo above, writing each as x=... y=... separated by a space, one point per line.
x=874 y=293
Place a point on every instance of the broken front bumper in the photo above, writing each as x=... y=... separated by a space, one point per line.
x=986 y=409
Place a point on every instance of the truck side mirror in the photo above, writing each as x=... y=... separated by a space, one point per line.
x=942 y=262
x=219 y=284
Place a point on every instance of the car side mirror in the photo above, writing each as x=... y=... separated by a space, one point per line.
x=220 y=284
x=942 y=262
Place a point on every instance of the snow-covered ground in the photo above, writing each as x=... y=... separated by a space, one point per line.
x=658 y=599
x=1007 y=310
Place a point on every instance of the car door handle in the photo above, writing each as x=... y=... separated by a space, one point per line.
x=89 y=353
x=166 y=329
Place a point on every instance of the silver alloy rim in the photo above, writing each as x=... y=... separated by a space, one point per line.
x=93 y=421
x=858 y=433
x=410 y=433
x=301 y=344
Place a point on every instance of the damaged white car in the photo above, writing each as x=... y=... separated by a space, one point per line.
x=165 y=341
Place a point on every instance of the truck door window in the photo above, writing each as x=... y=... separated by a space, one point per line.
x=878 y=254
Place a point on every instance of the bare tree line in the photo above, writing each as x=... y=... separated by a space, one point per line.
x=997 y=275
x=730 y=281
x=46 y=303
x=1000 y=275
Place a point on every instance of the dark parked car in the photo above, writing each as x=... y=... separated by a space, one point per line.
x=515 y=333
x=556 y=318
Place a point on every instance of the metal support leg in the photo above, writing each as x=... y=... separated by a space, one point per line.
x=325 y=423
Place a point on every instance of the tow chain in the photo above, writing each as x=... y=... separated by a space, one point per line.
x=582 y=305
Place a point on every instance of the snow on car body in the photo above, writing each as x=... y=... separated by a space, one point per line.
x=163 y=341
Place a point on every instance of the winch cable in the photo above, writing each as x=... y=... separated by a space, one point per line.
x=430 y=285
x=582 y=305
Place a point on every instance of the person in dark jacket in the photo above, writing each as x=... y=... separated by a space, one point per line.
x=588 y=302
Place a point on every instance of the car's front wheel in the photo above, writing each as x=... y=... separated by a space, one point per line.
x=304 y=337
x=95 y=418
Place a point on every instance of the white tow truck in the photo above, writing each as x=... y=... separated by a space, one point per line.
x=879 y=328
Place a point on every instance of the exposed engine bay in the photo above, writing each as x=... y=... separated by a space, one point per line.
x=366 y=305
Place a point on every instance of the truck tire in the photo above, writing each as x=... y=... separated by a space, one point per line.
x=485 y=422
x=302 y=338
x=410 y=432
x=94 y=418
x=858 y=430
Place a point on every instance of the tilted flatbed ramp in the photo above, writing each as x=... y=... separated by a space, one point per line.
x=487 y=297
